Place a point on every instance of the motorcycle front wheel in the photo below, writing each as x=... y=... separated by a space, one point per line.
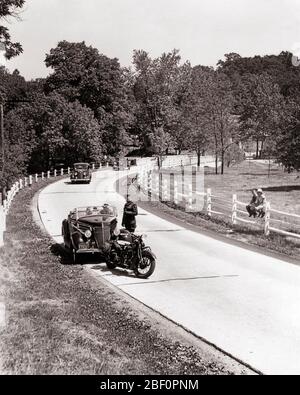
x=146 y=267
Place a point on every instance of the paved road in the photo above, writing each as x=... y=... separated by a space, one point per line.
x=245 y=303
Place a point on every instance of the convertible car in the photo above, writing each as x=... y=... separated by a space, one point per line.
x=89 y=230
x=81 y=173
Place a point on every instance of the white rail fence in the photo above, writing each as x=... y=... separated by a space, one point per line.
x=231 y=210
x=151 y=184
x=25 y=182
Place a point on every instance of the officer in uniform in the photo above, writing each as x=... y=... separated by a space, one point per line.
x=129 y=214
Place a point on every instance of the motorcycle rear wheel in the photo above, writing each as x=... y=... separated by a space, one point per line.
x=149 y=262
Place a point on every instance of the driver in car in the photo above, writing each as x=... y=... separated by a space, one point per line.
x=106 y=209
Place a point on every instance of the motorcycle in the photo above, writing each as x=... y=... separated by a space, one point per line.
x=128 y=251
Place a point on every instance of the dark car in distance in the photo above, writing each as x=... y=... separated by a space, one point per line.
x=81 y=172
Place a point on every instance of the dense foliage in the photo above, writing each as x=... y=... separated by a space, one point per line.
x=89 y=107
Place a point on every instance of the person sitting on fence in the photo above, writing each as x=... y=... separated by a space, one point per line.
x=251 y=206
x=260 y=203
x=257 y=204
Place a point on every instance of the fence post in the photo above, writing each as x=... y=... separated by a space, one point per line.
x=21 y=183
x=267 y=219
x=165 y=190
x=30 y=180
x=176 y=192
x=157 y=187
x=36 y=178
x=138 y=179
x=208 y=202
x=149 y=186
x=55 y=173
x=43 y=175
x=190 y=196
x=145 y=179
x=48 y=174
x=61 y=172
x=234 y=209
x=25 y=182
x=2 y=225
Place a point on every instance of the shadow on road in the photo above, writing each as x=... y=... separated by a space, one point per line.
x=116 y=272
x=66 y=258
x=60 y=251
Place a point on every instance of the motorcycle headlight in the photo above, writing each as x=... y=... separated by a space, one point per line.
x=88 y=234
x=117 y=232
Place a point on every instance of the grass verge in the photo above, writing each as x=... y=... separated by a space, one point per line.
x=217 y=225
x=58 y=321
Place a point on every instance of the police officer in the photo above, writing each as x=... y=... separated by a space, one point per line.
x=129 y=214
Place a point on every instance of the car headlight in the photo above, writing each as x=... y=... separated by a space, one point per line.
x=88 y=234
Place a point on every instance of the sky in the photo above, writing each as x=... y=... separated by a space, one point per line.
x=203 y=30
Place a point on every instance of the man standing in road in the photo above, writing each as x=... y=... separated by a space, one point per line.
x=129 y=214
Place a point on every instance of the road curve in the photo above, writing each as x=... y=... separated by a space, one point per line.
x=245 y=303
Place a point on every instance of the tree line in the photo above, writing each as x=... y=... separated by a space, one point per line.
x=89 y=107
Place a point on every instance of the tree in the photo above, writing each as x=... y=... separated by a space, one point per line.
x=197 y=119
x=261 y=109
x=160 y=142
x=288 y=141
x=158 y=94
x=52 y=130
x=213 y=113
x=10 y=8
x=235 y=154
x=279 y=67
x=96 y=81
x=13 y=88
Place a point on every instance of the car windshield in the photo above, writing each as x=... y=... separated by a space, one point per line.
x=105 y=210
x=81 y=166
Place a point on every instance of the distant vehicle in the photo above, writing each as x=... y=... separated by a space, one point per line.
x=93 y=230
x=81 y=173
